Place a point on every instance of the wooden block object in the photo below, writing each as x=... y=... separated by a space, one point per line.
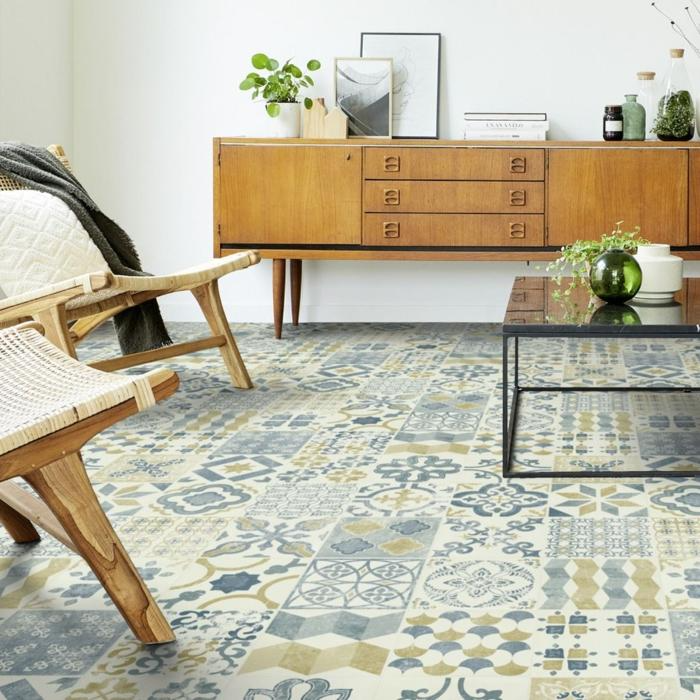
x=318 y=123
x=335 y=124
x=313 y=119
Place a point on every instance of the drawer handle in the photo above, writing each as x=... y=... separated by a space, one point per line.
x=391 y=229
x=517 y=230
x=517 y=297
x=518 y=319
x=392 y=197
x=518 y=198
x=518 y=164
x=392 y=164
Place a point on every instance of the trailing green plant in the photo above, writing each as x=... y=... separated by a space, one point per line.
x=676 y=117
x=575 y=259
x=281 y=84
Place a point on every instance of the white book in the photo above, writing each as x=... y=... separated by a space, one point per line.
x=504 y=135
x=511 y=116
x=508 y=124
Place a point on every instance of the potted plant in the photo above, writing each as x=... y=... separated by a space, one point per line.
x=577 y=258
x=280 y=88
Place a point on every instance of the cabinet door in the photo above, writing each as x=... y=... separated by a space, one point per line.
x=589 y=190
x=694 y=223
x=286 y=194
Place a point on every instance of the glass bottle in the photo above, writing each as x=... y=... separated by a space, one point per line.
x=647 y=97
x=675 y=118
x=612 y=123
x=633 y=120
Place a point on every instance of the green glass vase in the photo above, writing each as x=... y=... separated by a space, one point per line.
x=615 y=276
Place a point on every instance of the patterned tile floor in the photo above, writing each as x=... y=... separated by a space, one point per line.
x=342 y=532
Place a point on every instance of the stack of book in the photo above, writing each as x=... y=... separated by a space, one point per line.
x=505 y=126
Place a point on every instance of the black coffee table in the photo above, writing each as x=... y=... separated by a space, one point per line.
x=539 y=307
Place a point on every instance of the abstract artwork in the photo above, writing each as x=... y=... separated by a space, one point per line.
x=363 y=91
x=416 y=84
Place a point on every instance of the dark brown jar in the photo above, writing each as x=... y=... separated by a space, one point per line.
x=612 y=123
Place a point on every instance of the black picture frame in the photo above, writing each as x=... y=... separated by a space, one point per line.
x=433 y=131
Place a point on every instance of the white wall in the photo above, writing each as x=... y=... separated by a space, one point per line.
x=155 y=80
x=36 y=71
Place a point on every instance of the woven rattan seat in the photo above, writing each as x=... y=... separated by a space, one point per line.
x=43 y=390
x=50 y=405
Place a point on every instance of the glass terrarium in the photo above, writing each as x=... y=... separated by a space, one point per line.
x=675 y=119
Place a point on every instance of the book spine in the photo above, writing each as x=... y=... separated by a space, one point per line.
x=507 y=116
x=508 y=125
x=504 y=135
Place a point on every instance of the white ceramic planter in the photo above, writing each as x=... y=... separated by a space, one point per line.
x=662 y=273
x=287 y=124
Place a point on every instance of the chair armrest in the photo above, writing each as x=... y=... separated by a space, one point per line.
x=190 y=277
x=24 y=305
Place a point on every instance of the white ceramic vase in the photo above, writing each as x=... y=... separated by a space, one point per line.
x=287 y=124
x=662 y=273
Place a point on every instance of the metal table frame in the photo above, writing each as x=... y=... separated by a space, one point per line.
x=510 y=409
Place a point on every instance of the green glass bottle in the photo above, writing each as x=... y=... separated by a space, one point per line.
x=634 y=120
x=615 y=276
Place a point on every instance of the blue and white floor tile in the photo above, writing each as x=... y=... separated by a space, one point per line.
x=342 y=531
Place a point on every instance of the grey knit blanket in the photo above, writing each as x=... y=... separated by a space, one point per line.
x=139 y=327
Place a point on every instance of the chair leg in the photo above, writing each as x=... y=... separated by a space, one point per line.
x=208 y=298
x=20 y=528
x=66 y=489
x=56 y=328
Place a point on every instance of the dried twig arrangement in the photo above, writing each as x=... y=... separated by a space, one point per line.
x=692 y=14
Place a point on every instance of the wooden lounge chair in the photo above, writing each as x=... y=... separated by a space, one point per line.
x=71 y=309
x=51 y=406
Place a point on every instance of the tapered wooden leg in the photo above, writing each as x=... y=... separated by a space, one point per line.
x=210 y=302
x=56 y=328
x=278 y=276
x=295 y=275
x=20 y=528
x=65 y=488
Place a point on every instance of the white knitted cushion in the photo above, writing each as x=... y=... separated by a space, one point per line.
x=42 y=242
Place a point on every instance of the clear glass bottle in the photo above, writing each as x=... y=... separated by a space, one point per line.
x=648 y=98
x=675 y=117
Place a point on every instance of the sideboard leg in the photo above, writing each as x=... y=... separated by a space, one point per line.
x=278 y=276
x=295 y=273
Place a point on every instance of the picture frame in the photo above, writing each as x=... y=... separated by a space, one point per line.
x=364 y=91
x=416 y=79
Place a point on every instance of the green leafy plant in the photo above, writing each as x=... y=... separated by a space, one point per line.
x=281 y=84
x=576 y=259
x=676 y=117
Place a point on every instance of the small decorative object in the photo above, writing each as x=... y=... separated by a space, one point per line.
x=675 y=119
x=318 y=123
x=576 y=259
x=363 y=90
x=662 y=273
x=615 y=315
x=646 y=96
x=416 y=79
x=615 y=276
x=612 y=123
x=280 y=89
x=633 y=120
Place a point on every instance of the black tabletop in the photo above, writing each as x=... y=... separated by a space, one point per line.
x=545 y=306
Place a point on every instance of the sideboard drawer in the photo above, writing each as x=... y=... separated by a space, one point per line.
x=459 y=163
x=454 y=197
x=453 y=230
x=513 y=318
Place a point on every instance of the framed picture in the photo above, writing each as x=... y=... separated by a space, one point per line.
x=363 y=90
x=416 y=98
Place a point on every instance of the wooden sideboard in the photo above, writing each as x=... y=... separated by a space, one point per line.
x=296 y=199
